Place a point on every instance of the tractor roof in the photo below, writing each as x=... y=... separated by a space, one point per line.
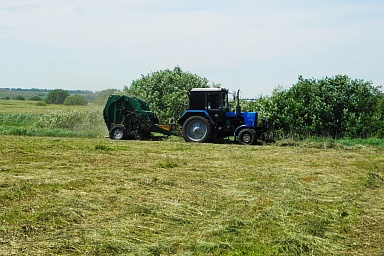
x=209 y=90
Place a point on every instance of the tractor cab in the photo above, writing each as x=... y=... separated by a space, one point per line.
x=208 y=118
x=208 y=98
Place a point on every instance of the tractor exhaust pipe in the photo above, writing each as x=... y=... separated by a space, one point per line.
x=238 y=108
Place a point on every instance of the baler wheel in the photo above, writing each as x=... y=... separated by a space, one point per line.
x=117 y=133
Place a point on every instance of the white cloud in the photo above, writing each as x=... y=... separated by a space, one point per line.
x=251 y=45
x=21 y=8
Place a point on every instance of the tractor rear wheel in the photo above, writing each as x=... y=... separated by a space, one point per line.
x=197 y=129
x=247 y=137
x=117 y=133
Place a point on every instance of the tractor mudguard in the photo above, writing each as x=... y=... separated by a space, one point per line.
x=190 y=113
x=238 y=129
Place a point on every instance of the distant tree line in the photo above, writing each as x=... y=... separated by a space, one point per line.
x=45 y=90
x=56 y=96
x=19 y=97
x=59 y=96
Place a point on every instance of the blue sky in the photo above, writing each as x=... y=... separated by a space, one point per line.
x=250 y=45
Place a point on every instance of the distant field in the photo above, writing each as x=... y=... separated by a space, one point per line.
x=25 y=94
x=30 y=118
x=41 y=93
x=32 y=107
x=76 y=196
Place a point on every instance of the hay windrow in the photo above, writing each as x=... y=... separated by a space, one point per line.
x=72 y=196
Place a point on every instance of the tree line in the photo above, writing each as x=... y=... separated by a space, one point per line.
x=336 y=107
x=45 y=90
x=59 y=96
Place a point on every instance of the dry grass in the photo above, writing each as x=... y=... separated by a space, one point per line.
x=72 y=196
x=27 y=119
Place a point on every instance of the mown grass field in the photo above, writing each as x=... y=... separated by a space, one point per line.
x=94 y=196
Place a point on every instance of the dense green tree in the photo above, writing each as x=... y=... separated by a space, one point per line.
x=379 y=117
x=56 y=96
x=335 y=107
x=165 y=91
x=75 y=100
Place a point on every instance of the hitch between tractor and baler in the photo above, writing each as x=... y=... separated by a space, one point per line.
x=206 y=119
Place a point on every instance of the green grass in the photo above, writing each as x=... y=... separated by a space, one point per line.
x=64 y=190
x=33 y=119
x=369 y=141
x=327 y=142
x=73 y=196
x=31 y=107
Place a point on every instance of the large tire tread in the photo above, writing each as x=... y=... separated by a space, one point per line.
x=247 y=137
x=197 y=122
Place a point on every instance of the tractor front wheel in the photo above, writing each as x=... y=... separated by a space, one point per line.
x=197 y=129
x=117 y=133
x=247 y=137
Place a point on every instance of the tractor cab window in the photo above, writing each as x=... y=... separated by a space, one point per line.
x=196 y=100
x=213 y=101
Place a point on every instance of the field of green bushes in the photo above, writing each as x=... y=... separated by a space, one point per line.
x=67 y=190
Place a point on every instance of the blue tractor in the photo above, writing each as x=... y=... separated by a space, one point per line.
x=208 y=119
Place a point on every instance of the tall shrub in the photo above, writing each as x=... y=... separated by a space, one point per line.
x=165 y=91
x=75 y=100
x=333 y=106
x=56 y=96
